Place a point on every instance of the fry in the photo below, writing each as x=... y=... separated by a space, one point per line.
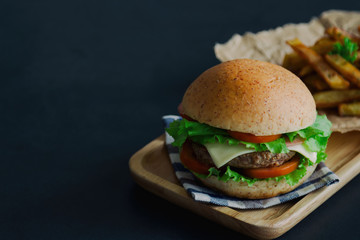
x=333 y=98
x=344 y=67
x=306 y=70
x=293 y=62
x=339 y=34
x=334 y=80
x=323 y=45
x=297 y=64
x=315 y=83
x=349 y=109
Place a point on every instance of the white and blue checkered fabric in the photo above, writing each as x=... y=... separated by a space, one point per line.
x=322 y=176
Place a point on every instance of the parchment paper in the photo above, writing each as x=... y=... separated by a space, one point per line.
x=271 y=46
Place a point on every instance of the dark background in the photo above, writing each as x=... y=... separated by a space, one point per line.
x=83 y=87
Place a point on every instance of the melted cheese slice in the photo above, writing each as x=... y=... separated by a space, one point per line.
x=223 y=153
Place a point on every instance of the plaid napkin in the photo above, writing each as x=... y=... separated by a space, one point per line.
x=321 y=177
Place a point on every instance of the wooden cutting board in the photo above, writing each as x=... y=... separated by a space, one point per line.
x=151 y=168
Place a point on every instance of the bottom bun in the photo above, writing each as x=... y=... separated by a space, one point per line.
x=260 y=189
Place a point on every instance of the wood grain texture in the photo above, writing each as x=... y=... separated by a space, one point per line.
x=151 y=169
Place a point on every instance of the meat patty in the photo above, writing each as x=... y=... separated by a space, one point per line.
x=249 y=160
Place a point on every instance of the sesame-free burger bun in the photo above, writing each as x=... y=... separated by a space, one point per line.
x=260 y=189
x=250 y=96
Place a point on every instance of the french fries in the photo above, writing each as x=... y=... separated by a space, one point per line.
x=297 y=64
x=306 y=70
x=293 y=62
x=345 y=68
x=333 y=98
x=335 y=80
x=349 y=109
x=323 y=45
x=329 y=69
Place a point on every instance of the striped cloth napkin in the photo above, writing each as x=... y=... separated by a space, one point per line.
x=321 y=177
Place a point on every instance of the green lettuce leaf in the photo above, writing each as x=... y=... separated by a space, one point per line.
x=277 y=146
x=180 y=130
x=294 y=177
x=202 y=133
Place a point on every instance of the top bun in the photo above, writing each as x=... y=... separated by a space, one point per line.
x=250 y=96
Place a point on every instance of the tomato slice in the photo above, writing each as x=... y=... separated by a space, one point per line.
x=188 y=159
x=248 y=137
x=281 y=170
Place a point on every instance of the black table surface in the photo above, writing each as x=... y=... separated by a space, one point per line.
x=84 y=85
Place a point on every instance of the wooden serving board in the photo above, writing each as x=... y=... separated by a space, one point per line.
x=151 y=168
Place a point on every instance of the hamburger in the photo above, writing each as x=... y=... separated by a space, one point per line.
x=250 y=129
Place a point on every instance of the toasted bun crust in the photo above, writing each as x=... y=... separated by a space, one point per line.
x=250 y=96
x=259 y=190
